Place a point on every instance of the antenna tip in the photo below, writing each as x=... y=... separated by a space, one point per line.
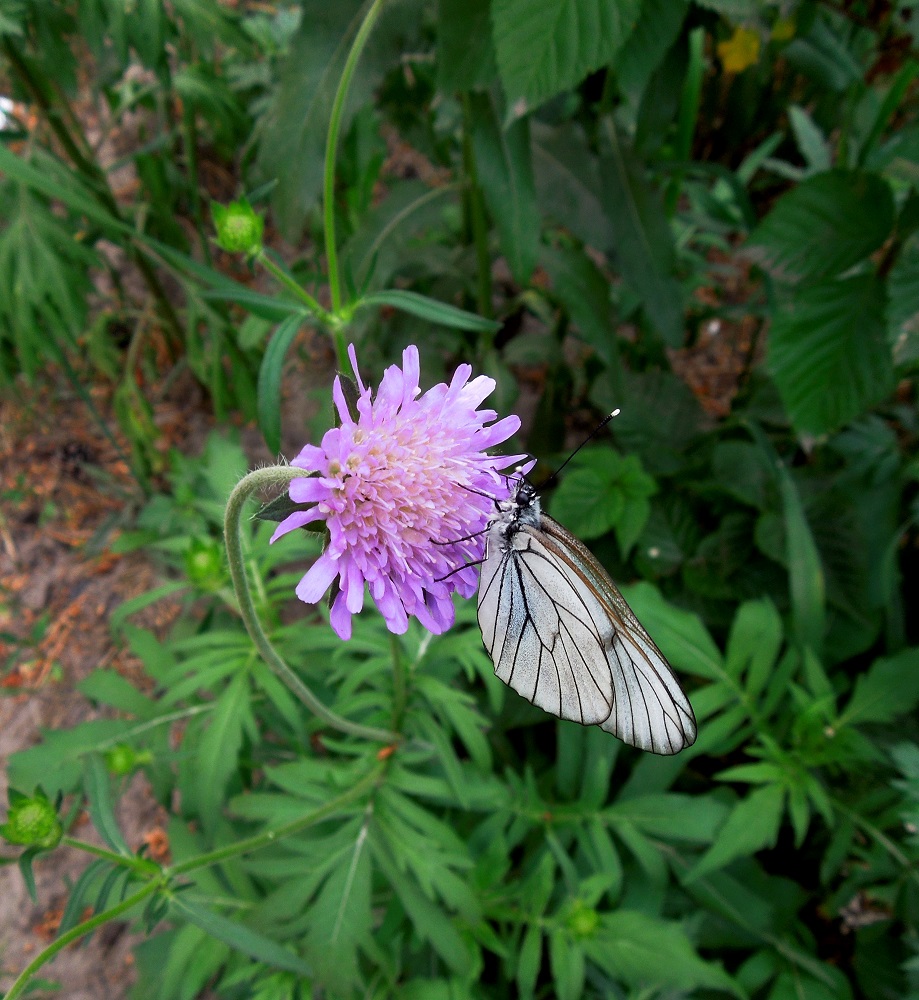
x=615 y=413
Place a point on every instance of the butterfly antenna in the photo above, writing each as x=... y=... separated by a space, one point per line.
x=589 y=437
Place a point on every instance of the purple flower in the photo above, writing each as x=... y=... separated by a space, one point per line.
x=406 y=492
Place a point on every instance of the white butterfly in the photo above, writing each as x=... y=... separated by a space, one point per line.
x=560 y=633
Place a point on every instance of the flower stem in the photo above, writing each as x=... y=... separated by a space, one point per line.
x=331 y=149
x=75 y=933
x=288 y=829
x=283 y=278
x=277 y=475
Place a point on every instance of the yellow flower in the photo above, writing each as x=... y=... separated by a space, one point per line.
x=739 y=51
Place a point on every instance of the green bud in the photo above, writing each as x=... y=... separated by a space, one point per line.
x=32 y=821
x=123 y=758
x=204 y=565
x=239 y=228
x=583 y=921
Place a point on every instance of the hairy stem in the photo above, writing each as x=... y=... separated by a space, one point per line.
x=277 y=475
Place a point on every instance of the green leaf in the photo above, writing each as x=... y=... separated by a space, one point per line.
x=805 y=568
x=505 y=175
x=568 y=182
x=238 y=936
x=430 y=310
x=825 y=225
x=546 y=46
x=465 y=55
x=888 y=690
x=754 y=644
x=566 y=959
x=811 y=141
x=101 y=809
x=639 y=950
x=218 y=748
x=584 y=292
x=529 y=962
x=340 y=916
x=587 y=503
x=658 y=27
x=643 y=242
x=269 y=381
x=903 y=303
x=752 y=825
x=828 y=352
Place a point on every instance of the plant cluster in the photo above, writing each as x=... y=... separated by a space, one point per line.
x=599 y=193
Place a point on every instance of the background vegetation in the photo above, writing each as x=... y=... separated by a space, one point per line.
x=704 y=213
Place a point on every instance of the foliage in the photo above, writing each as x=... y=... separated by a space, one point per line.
x=647 y=171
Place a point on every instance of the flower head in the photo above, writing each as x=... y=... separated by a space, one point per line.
x=406 y=491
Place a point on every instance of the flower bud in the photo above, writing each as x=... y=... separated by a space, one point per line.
x=239 y=228
x=32 y=822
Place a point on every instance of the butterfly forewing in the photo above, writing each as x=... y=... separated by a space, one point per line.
x=560 y=634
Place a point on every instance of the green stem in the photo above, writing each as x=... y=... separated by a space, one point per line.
x=331 y=149
x=277 y=475
x=143 y=866
x=288 y=829
x=283 y=278
x=75 y=933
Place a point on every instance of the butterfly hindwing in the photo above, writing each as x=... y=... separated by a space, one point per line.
x=560 y=634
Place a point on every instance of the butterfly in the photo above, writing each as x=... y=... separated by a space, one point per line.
x=561 y=635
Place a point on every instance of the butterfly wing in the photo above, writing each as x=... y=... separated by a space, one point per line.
x=561 y=635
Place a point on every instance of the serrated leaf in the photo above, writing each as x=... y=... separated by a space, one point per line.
x=643 y=241
x=825 y=225
x=269 y=381
x=505 y=174
x=546 y=46
x=430 y=310
x=828 y=352
x=587 y=503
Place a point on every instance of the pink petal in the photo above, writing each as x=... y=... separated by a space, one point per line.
x=318 y=579
x=308 y=490
x=340 y=617
x=353 y=587
x=294 y=521
x=352 y=357
x=311 y=458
